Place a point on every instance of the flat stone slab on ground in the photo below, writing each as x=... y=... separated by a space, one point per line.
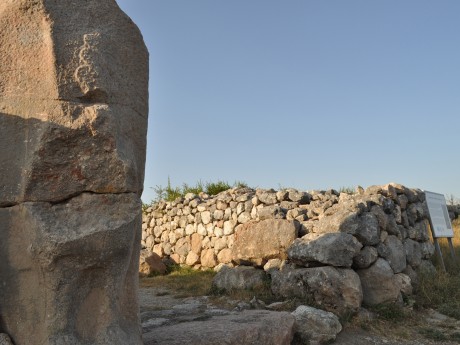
x=251 y=327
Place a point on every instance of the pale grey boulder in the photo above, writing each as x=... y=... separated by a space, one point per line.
x=392 y=250
x=335 y=249
x=379 y=283
x=368 y=232
x=239 y=278
x=271 y=212
x=267 y=197
x=413 y=252
x=315 y=326
x=337 y=290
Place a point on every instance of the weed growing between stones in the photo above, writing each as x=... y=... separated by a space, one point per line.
x=170 y=193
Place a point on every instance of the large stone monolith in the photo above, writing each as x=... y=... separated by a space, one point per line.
x=73 y=123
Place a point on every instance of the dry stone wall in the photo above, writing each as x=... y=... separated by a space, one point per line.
x=247 y=226
x=338 y=250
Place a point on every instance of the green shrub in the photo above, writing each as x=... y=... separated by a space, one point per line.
x=214 y=188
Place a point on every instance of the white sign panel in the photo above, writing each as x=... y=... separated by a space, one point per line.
x=439 y=215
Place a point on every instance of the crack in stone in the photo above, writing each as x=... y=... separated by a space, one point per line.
x=60 y=201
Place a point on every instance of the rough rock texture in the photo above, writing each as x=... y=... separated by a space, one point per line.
x=150 y=263
x=257 y=242
x=251 y=327
x=241 y=277
x=5 y=339
x=333 y=289
x=365 y=258
x=84 y=256
x=73 y=87
x=336 y=249
x=392 y=249
x=379 y=283
x=73 y=105
x=315 y=326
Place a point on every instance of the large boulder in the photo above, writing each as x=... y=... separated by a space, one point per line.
x=379 y=283
x=392 y=249
x=73 y=114
x=258 y=242
x=63 y=264
x=337 y=290
x=239 y=278
x=335 y=249
x=315 y=326
x=73 y=97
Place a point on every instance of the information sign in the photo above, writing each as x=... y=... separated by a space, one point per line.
x=439 y=215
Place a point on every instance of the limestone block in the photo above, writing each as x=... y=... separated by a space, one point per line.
x=225 y=256
x=336 y=249
x=250 y=327
x=393 y=251
x=208 y=258
x=337 y=290
x=73 y=94
x=150 y=262
x=315 y=326
x=242 y=277
x=62 y=264
x=379 y=283
x=413 y=252
x=257 y=242
x=366 y=257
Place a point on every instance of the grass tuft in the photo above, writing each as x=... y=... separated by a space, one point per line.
x=170 y=193
x=185 y=280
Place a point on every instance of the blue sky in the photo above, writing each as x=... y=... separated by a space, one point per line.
x=304 y=94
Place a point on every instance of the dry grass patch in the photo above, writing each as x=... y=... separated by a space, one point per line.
x=441 y=290
x=182 y=281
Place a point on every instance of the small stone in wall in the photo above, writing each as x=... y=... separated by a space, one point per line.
x=150 y=263
x=192 y=259
x=225 y=256
x=208 y=258
x=405 y=283
x=273 y=264
x=366 y=257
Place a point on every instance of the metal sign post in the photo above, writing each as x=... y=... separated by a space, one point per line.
x=439 y=222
